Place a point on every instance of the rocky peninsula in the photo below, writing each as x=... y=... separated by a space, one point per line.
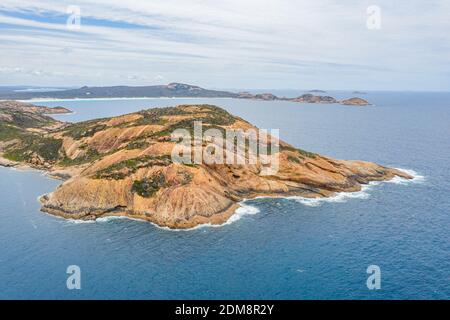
x=122 y=166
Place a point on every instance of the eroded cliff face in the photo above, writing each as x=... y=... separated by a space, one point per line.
x=123 y=166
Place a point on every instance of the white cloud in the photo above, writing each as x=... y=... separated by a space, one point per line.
x=287 y=43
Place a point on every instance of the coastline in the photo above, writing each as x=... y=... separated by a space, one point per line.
x=284 y=99
x=227 y=216
x=59 y=113
x=57 y=174
x=240 y=208
x=37 y=100
x=346 y=176
x=112 y=99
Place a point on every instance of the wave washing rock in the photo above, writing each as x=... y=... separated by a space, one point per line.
x=121 y=166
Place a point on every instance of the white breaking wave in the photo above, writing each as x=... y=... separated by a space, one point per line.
x=417 y=178
x=246 y=209
x=111 y=218
x=338 y=197
x=79 y=221
x=243 y=210
x=101 y=220
x=363 y=194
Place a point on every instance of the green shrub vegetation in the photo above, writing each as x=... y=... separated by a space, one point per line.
x=8 y=132
x=293 y=159
x=187 y=124
x=154 y=115
x=186 y=176
x=147 y=187
x=83 y=129
x=90 y=156
x=302 y=153
x=27 y=120
x=138 y=144
x=124 y=168
x=214 y=117
x=45 y=147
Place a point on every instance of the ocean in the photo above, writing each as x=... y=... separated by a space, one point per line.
x=289 y=248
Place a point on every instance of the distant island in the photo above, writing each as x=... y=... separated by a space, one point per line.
x=122 y=166
x=355 y=102
x=171 y=90
x=310 y=98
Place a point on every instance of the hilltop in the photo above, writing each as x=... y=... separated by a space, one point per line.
x=170 y=90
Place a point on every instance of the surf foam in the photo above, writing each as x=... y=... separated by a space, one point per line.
x=246 y=209
x=363 y=194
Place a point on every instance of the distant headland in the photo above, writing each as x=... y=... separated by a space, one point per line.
x=171 y=90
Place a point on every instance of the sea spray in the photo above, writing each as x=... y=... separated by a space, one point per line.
x=417 y=178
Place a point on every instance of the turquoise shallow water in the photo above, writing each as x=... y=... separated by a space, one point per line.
x=283 y=248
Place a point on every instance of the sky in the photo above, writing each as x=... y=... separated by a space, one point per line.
x=247 y=44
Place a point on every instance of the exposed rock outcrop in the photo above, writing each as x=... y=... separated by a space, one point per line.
x=355 y=102
x=122 y=166
x=310 y=98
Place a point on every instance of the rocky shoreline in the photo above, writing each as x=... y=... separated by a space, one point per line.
x=305 y=98
x=121 y=166
x=218 y=218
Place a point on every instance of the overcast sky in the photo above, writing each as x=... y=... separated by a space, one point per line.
x=281 y=44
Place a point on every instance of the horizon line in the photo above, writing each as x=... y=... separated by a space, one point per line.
x=69 y=87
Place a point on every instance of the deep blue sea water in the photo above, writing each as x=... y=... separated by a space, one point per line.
x=290 y=249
